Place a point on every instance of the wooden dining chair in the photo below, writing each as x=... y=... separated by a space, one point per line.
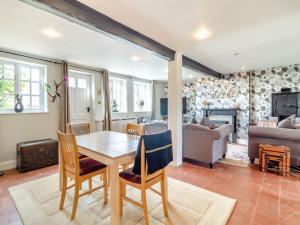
x=143 y=182
x=135 y=129
x=78 y=170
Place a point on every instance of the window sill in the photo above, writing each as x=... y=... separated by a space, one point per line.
x=23 y=113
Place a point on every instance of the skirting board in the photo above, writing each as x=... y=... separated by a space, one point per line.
x=8 y=165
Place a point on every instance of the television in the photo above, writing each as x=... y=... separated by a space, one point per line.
x=164 y=106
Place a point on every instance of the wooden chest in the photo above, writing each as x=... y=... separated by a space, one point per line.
x=36 y=154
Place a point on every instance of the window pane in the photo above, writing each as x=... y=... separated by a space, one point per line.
x=35 y=102
x=26 y=102
x=118 y=96
x=25 y=73
x=1 y=71
x=35 y=74
x=9 y=87
x=9 y=72
x=81 y=83
x=1 y=102
x=1 y=87
x=25 y=88
x=9 y=101
x=142 y=96
x=35 y=88
x=72 y=82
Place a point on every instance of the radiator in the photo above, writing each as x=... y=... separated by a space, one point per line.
x=33 y=155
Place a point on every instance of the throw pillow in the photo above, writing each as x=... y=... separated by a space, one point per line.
x=207 y=123
x=288 y=123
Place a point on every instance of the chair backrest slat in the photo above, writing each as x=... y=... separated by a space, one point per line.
x=68 y=152
x=135 y=129
x=79 y=128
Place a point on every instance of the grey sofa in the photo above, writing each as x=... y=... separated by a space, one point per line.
x=275 y=136
x=200 y=143
x=205 y=145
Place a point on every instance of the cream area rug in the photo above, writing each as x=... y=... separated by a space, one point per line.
x=237 y=155
x=37 y=202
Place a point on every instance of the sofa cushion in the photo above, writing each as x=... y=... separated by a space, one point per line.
x=288 y=123
x=207 y=123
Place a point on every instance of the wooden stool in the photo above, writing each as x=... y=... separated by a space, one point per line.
x=280 y=154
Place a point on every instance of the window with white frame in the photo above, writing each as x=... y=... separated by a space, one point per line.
x=142 y=96
x=118 y=94
x=25 y=80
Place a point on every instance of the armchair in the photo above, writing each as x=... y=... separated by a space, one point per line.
x=203 y=144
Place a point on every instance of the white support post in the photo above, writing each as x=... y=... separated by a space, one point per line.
x=175 y=106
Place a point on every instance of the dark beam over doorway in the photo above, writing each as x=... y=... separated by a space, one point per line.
x=80 y=13
x=198 y=67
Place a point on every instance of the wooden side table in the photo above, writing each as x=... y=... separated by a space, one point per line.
x=279 y=154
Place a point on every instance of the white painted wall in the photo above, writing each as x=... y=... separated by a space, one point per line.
x=15 y=128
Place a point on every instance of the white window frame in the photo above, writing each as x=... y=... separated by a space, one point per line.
x=17 y=85
x=150 y=96
x=124 y=94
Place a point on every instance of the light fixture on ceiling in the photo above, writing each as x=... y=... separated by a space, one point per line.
x=243 y=67
x=191 y=76
x=202 y=34
x=135 y=58
x=50 y=32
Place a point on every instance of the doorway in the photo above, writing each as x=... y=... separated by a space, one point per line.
x=80 y=97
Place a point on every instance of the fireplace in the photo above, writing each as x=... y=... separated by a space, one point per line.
x=230 y=113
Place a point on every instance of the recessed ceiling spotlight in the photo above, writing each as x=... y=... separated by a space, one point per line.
x=50 y=32
x=243 y=67
x=135 y=58
x=191 y=76
x=202 y=34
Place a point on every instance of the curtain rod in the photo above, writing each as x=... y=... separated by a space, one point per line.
x=30 y=56
x=48 y=60
x=85 y=68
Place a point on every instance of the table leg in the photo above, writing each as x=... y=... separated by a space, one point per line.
x=115 y=194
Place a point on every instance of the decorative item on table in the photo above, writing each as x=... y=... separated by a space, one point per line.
x=205 y=104
x=19 y=107
x=141 y=104
x=55 y=93
x=114 y=106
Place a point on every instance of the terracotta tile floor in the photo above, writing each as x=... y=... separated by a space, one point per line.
x=262 y=198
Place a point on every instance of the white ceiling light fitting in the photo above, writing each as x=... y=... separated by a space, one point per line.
x=50 y=32
x=202 y=34
x=135 y=58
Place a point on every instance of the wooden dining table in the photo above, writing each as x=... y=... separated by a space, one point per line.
x=113 y=149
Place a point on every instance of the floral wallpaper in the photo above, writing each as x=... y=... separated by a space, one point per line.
x=265 y=82
x=230 y=92
x=250 y=91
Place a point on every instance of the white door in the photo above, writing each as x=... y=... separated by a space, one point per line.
x=80 y=97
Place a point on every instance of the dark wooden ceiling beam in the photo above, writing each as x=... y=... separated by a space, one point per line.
x=80 y=13
x=198 y=67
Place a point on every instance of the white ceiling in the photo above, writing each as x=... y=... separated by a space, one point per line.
x=265 y=33
x=21 y=27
